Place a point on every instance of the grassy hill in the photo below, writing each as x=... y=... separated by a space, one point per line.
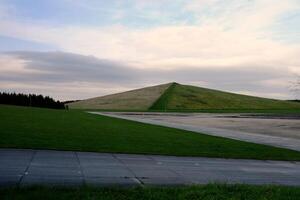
x=177 y=97
x=140 y=99
x=185 y=97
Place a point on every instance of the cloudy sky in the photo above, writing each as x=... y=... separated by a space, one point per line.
x=74 y=49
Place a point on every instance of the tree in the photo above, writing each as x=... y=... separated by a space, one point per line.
x=30 y=100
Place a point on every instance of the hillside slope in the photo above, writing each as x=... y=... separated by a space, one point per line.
x=185 y=97
x=177 y=97
x=140 y=99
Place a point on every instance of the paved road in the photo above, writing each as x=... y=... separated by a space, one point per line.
x=261 y=131
x=30 y=167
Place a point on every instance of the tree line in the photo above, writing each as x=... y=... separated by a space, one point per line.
x=30 y=100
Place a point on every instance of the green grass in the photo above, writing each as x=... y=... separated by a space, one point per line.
x=190 y=98
x=37 y=128
x=162 y=102
x=206 y=192
x=174 y=97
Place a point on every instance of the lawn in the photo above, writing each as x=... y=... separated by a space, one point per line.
x=37 y=128
x=206 y=192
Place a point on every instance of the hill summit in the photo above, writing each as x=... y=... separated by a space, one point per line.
x=178 y=97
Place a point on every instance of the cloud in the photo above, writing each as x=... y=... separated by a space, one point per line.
x=78 y=76
x=198 y=5
x=65 y=67
x=226 y=40
x=229 y=45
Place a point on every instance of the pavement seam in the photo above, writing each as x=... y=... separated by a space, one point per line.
x=80 y=167
x=27 y=168
x=135 y=178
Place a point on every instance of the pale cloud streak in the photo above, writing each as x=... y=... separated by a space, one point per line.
x=74 y=75
x=234 y=38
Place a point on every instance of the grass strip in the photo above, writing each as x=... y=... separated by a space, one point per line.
x=205 y=192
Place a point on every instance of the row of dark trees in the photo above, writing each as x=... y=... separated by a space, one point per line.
x=30 y=100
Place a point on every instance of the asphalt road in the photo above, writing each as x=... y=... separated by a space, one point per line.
x=67 y=168
x=276 y=131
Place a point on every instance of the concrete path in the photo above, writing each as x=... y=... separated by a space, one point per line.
x=31 y=167
x=171 y=120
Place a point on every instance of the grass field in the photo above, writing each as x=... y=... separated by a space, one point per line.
x=25 y=127
x=206 y=192
x=190 y=98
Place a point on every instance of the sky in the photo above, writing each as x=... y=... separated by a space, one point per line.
x=76 y=49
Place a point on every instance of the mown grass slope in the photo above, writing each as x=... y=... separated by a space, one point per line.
x=37 y=128
x=184 y=97
x=163 y=101
x=140 y=99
